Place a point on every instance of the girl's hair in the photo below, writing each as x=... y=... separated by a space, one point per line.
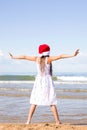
x=42 y=64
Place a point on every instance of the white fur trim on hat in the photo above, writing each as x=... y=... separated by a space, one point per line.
x=45 y=53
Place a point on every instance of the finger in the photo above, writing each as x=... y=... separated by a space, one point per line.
x=10 y=54
x=77 y=50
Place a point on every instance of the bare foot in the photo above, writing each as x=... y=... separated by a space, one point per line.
x=58 y=123
x=27 y=123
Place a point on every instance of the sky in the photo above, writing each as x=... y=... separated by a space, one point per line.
x=25 y=24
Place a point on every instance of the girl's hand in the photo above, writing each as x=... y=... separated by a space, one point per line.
x=76 y=52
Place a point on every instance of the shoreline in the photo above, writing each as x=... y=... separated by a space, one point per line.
x=32 y=82
x=41 y=126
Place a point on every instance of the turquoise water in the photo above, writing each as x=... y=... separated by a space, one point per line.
x=15 y=94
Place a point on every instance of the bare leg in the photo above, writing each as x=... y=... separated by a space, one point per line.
x=54 y=110
x=31 y=112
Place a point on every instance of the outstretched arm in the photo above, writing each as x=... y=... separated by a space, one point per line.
x=23 y=57
x=62 y=56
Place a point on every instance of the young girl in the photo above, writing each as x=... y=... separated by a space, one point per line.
x=43 y=92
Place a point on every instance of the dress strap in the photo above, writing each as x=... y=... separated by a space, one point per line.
x=46 y=60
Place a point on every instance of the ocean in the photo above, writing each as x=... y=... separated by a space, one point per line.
x=71 y=90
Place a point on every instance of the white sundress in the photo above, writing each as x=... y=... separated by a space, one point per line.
x=43 y=92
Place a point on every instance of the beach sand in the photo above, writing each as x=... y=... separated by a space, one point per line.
x=42 y=126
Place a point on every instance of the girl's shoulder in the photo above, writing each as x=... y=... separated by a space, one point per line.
x=38 y=59
x=48 y=60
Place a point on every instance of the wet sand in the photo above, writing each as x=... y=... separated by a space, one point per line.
x=42 y=126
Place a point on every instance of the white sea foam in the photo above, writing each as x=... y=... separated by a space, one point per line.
x=72 y=78
x=15 y=82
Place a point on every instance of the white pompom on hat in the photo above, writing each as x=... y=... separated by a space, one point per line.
x=44 y=50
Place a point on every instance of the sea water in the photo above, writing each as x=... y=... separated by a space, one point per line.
x=71 y=90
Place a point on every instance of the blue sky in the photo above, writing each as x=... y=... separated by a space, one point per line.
x=24 y=24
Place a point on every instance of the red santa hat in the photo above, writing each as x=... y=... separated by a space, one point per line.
x=44 y=50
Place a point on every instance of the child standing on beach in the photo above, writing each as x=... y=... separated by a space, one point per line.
x=43 y=92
